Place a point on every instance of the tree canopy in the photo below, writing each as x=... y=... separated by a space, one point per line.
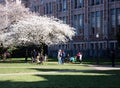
x=24 y=27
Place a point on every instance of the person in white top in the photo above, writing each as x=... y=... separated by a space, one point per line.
x=59 y=57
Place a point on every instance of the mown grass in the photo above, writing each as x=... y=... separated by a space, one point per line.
x=102 y=61
x=53 y=75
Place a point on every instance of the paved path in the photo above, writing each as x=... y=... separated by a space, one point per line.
x=105 y=67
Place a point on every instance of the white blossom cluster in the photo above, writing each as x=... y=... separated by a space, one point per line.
x=24 y=27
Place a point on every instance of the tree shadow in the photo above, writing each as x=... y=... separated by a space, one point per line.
x=89 y=79
x=60 y=70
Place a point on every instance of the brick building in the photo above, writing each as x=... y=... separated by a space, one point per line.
x=96 y=23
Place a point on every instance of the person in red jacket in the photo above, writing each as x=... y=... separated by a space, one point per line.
x=79 y=57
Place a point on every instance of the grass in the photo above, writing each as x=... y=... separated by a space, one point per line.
x=52 y=75
x=102 y=61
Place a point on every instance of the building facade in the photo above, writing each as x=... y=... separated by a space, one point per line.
x=96 y=22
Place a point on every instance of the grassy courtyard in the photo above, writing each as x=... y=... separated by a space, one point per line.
x=53 y=75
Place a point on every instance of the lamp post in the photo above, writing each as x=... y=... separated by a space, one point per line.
x=97 y=59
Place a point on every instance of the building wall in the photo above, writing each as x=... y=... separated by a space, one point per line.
x=101 y=17
x=96 y=23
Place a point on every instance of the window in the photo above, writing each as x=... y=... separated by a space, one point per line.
x=60 y=18
x=50 y=7
x=47 y=8
x=102 y=20
x=92 y=46
x=104 y=45
x=44 y=10
x=118 y=17
x=74 y=46
x=76 y=23
x=64 y=5
x=98 y=21
x=95 y=2
x=75 y=4
x=93 y=22
x=113 y=18
x=64 y=20
x=60 y=6
x=81 y=4
x=112 y=45
x=81 y=23
x=92 y=2
x=113 y=22
x=111 y=0
x=36 y=8
x=98 y=2
x=102 y=1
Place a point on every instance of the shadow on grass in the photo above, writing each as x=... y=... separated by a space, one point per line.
x=60 y=70
x=90 y=71
x=110 y=80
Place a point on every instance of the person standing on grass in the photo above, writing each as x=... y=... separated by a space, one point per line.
x=113 y=57
x=46 y=57
x=79 y=57
x=33 y=55
x=38 y=58
x=59 y=56
x=63 y=56
x=26 y=55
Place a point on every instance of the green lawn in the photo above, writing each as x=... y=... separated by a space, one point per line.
x=53 y=75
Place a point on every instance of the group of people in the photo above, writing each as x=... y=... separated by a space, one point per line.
x=62 y=57
x=78 y=58
x=37 y=57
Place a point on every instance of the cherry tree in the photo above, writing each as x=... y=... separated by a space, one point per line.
x=40 y=30
x=2 y=17
x=10 y=13
x=22 y=27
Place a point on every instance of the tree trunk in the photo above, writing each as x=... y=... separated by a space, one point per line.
x=42 y=49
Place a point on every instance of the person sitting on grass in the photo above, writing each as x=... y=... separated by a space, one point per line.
x=40 y=59
x=72 y=59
